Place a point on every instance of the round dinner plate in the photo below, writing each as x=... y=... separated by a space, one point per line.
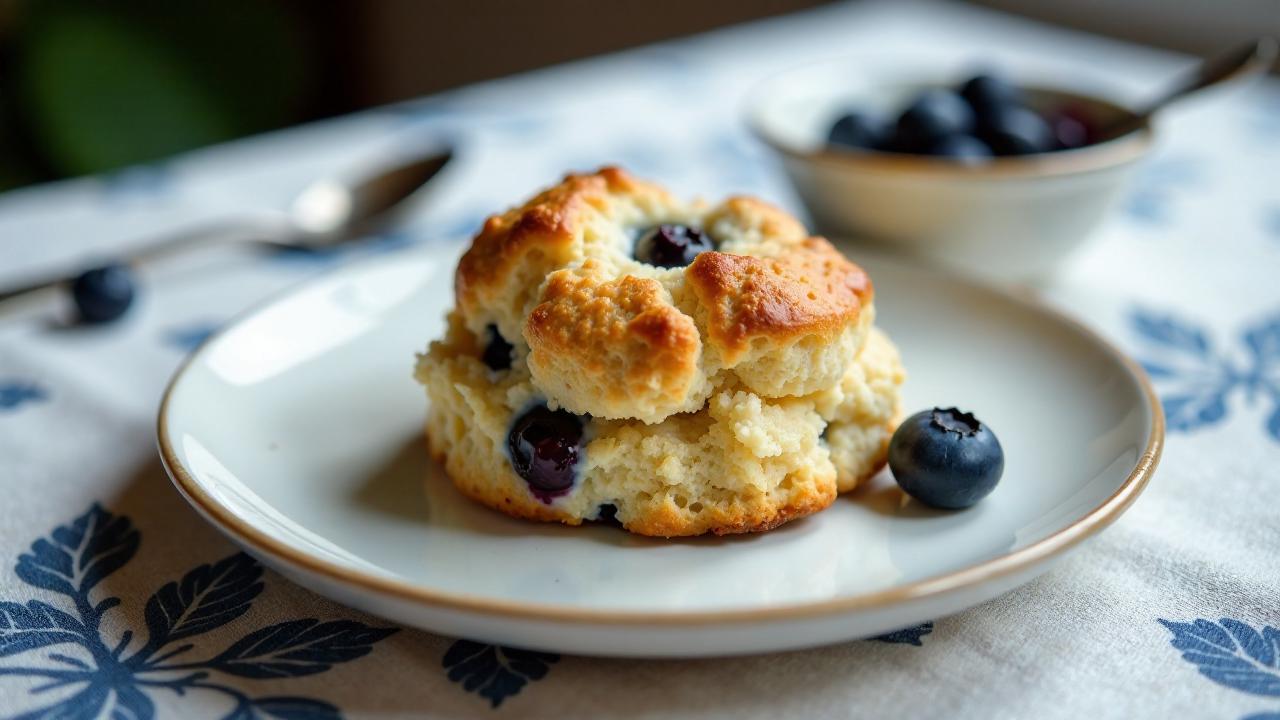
x=297 y=432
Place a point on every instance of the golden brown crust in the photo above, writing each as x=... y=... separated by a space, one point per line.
x=597 y=344
x=814 y=291
x=665 y=520
x=538 y=236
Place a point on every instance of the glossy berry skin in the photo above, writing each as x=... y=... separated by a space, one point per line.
x=946 y=458
x=497 y=353
x=545 y=446
x=103 y=294
x=857 y=131
x=964 y=149
x=934 y=115
x=1071 y=128
x=1017 y=131
x=987 y=93
x=671 y=246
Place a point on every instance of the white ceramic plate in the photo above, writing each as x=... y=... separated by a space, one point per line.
x=297 y=433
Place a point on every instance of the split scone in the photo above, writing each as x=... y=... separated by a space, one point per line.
x=616 y=354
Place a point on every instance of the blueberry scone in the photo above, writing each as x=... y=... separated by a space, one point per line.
x=677 y=368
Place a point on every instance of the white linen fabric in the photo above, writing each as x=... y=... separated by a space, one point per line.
x=105 y=572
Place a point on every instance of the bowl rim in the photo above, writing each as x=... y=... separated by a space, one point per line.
x=1098 y=156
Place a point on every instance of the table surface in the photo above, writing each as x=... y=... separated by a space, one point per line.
x=104 y=570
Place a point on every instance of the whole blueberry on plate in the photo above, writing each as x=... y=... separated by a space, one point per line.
x=103 y=294
x=934 y=115
x=989 y=92
x=964 y=149
x=856 y=130
x=545 y=446
x=1017 y=131
x=672 y=245
x=946 y=458
x=497 y=351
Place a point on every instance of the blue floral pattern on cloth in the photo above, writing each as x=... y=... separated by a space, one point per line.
x=188 y=337
x=119 y=680
x=907 y=636
x=1198 y=379
x=1232 y=653
x=1158 y=185
x=1271 y=222
x=494 y=672
x=137 y=183
x=15 y=393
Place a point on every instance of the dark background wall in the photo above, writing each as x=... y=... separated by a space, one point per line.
x=89 y=86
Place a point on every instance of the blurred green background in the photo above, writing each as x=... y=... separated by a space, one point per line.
x=89 y=86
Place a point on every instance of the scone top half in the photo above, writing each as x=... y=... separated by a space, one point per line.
x=769 y=309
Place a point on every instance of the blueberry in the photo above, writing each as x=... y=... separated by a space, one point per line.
x=934 y=115
x=497 y=354
x=964 y=149
x=608 y=515
x=671 y=245
x=987 y=93
x=1016 y=131
x=103 y=294
x=545 y=447
x=1070 y=131
x=946 y=458
x=856 y=130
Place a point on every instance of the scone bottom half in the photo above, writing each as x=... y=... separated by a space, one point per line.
x=617 y=355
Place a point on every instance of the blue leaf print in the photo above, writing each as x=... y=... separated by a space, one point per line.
x=77 y=556
x=35 y=625
x=1188 y=412
x=132 y=704
x=1231 y=653
x=296 y=708
x=495 y=673
x=16 y=392
x=1158 y=184
x=136 y=182
x=1273 y=423
x=1263 y=341
x=208 y=597
x=298 y=647
x=189 y=337
x=1201 y=380
x=1271 y=222
x=1168 y=331
x=84 y=705
x=907 y=636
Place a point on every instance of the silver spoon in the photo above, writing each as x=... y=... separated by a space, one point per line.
x=325 y=214
x=1254 y=58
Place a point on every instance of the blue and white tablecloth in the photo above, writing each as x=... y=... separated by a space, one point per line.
x=117 y=601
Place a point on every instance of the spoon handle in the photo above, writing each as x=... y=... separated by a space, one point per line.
x=214 y=233
x=1251 y=59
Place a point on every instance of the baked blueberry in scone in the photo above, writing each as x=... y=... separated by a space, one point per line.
x=676 y=368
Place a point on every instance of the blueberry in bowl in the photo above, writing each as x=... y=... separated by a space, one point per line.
x=983 y=117
x=946 y=458
x=990 y=176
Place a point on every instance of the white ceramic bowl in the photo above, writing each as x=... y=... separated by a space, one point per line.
x=1011 y=219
